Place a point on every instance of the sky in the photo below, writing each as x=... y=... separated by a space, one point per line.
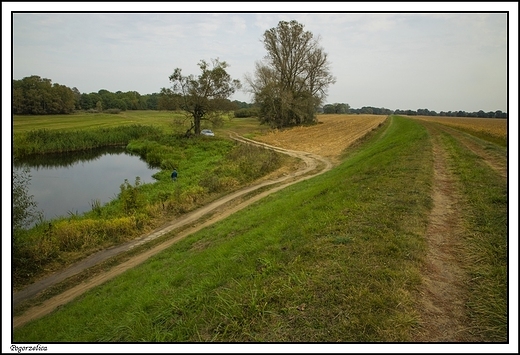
x=439 y=61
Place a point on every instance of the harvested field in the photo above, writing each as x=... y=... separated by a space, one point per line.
x=495 y=127
x=329 y=138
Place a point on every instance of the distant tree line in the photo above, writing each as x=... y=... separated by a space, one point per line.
x=426 y=112
x=34 y=95
x=105 y=100
x=341 y=108
x=37 y=96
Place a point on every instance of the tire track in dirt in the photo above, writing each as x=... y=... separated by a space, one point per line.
x=443 y=296
x=494 y=161
x=314 y=165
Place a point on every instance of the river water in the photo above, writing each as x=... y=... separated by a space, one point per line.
x=62 y=184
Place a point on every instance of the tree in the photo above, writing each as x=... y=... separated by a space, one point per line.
x=38 y=96
x=291 y=83
x=336 y=108
x=206 y=96
x=24 y=207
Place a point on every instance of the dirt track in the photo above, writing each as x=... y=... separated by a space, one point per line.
x=443 y=296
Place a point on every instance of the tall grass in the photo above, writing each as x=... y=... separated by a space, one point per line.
x=331 y=259
x=44 y=141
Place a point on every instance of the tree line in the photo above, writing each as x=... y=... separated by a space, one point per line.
x=342 y=108
x=39 y=96
x=35 y=95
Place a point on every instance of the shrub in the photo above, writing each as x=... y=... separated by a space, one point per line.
x=132 y=200
x=247 y=112
x=113 y=111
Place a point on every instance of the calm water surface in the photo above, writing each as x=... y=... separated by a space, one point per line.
x=69 y=183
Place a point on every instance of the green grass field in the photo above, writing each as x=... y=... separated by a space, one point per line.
x=336 y=258
x=166 y=120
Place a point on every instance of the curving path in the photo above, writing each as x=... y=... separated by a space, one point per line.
x=217 y=210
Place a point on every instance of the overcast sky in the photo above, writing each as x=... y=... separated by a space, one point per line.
x=439 y=61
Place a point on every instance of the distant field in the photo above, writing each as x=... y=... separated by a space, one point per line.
x=166 y=120
x=94 y=120
x=493 y=128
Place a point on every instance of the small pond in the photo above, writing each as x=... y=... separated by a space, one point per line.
x=62 y=184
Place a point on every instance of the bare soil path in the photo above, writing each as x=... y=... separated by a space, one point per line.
x=443 y=294
x=443 y=297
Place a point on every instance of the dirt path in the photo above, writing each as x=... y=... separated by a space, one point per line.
x=495 y=161
x=314 y=165
x=443 y=294
x=443 y=297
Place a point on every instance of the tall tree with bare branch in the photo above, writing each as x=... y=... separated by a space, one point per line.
x=292 y=80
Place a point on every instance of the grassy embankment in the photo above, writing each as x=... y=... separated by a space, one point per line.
x=334 y=258
x=208 y=167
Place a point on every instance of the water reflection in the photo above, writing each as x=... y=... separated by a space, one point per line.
x=68 y=183
x=65 y=160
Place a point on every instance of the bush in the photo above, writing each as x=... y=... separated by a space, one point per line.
x=246 y=112
x=131 y=198
x=113 y=111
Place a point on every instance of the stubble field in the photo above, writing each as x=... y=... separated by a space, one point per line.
x=329 y=138
x=490 y=128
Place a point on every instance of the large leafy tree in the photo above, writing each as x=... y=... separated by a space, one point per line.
x=292 y=80
x=205 y=97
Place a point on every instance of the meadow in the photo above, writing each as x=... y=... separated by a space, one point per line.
x=336 y=258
